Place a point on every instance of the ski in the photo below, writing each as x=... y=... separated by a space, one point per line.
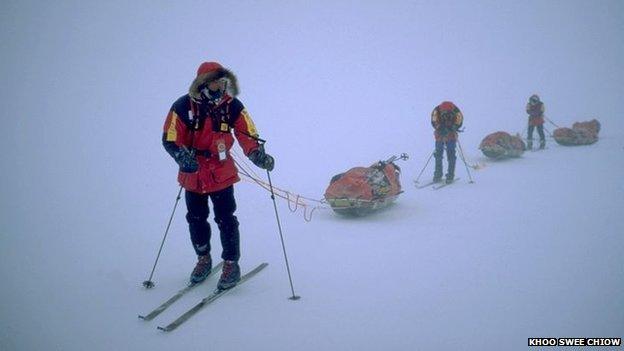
x=445 y=184
x=425 y=185
x=208 y=299
x=158 y=310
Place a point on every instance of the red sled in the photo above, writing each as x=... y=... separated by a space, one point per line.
x=362 y=190
x=581 y=133
x=501 y=145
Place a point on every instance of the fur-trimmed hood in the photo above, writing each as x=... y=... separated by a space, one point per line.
x=446 y=106
x=211 y=71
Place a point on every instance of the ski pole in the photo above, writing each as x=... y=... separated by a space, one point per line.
x=148 y=284
x=426 y=164
x=393 y=158
x=461 y=153
x=279 y=226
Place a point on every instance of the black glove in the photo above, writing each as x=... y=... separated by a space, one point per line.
x=262 y=159
x=186 y=161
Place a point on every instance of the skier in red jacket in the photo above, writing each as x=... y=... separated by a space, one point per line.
x=198 y=135
x=446 y=120
x=535 y=110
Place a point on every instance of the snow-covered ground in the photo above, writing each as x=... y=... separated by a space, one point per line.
x=532 y=248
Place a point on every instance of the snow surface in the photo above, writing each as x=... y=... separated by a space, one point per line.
x=532 y=248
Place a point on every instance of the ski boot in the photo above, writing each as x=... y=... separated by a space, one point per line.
x=542 y=144
x=202 y=269
x=230 y=275
x=529 y=145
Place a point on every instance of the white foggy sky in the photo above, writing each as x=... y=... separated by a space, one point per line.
x=87 y=83
x=330 y=85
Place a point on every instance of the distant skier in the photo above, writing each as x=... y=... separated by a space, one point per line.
x=535 y=109
x=446 y=120
x=197 y=134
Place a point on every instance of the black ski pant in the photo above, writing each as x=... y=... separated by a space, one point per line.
x=540 y=131
x=450 y=156
x=223 y=205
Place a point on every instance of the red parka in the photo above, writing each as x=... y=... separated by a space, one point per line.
x=209 y=129
x=446 y=119
x=536 y=113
